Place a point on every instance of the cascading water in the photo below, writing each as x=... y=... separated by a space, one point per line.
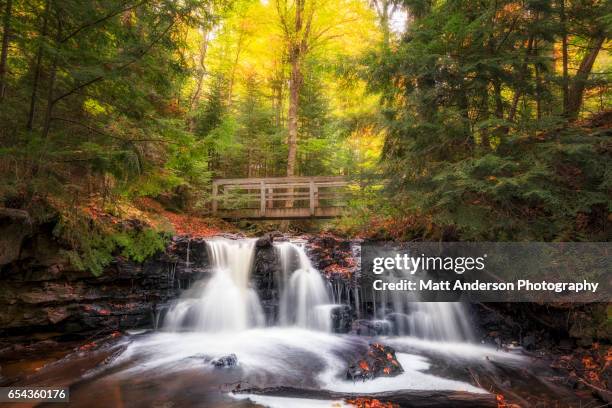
x=438 y=321
x=305 y=301
x=225 y=302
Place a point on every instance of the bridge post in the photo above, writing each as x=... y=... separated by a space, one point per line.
x=311 y=191
x=262 y=198
x=215 y=192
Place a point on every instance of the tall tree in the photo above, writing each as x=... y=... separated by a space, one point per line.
x=296 y=17
x=6 y=32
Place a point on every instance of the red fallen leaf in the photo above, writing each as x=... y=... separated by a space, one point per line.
x=364 y=365
x=370 y=403
x=88 y=346
x=104 y=312
x=593 y=377
x=389 y=357
x=116 y=334
x=387 y=370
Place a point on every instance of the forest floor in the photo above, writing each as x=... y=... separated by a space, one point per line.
x=153 y=214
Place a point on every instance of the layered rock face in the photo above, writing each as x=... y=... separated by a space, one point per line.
x=41 y=294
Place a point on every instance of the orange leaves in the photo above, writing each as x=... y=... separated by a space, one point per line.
x=588 y=366
x=502 y=403
x=88 y=346
x=337 y=269
x=589 y=363
x=364 y=365
x=608 y=358
x=190 y=225
x=370 y=403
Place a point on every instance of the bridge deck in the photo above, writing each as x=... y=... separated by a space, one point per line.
x=280 y=197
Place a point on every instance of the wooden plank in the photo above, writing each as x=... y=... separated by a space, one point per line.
x=281 y=213
x=283 y=180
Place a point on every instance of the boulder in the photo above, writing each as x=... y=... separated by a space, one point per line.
x=364 y=327
x=379 y=361
x=341 y=317
x=226 y=361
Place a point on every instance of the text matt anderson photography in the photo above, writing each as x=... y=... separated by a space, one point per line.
x=306 y=203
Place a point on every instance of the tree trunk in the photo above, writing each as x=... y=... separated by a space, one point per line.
x=201 y=73
x=6 y=32
x=522 y=76
x=51 y=86
x=295 y=83
x=404 y=398
x=294 y=99
x=50 y=100
x=37 y=68
x=579 y=82
x=499 y=103
x=538 y=78
x=230 y=88
x=564 y=56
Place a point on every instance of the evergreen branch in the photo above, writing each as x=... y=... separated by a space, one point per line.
x=101 y=20
x=102 y=133
x=122 y=67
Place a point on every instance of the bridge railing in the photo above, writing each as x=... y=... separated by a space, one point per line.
x=280 y=197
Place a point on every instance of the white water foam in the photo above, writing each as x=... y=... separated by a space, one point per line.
x=287 y=355
x=225 y=302
x=412 y=378
x=284 y=402
x=305 y=301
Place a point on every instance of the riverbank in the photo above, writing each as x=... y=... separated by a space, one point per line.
x=51 y=312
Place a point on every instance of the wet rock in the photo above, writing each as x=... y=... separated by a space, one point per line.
x=226 y=361
x=342 y=318
x=264 y=242
x=15 y=225
x=266 y=267
x=379 y=361
x=566 y=345
x=332 y=255
x=364 y=327
x=529 y=342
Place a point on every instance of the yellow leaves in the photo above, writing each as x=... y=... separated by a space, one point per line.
x=94 y=108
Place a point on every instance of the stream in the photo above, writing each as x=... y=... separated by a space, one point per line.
x=216 y=346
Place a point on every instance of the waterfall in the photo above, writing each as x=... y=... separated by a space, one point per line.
x=408 y=315
x=305 y=300
x=224 y=302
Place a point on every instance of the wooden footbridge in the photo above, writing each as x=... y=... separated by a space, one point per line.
x=280 y=197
